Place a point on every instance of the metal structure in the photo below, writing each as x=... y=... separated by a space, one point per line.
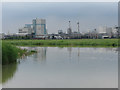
x=78 y=27
x=69 y=24
x=69 y=31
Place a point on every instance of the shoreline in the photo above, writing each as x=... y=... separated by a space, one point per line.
x=11 y=53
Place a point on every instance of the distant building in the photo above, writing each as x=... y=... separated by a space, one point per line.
x=39 y=27
x=60 y=32
x=36 y=29
x=102 y=30
x=69 y=30
x=2 y=35
x=25 y=30
x=105 y=31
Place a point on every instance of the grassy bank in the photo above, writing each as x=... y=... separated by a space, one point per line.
x=67 y=42
x=11 y=53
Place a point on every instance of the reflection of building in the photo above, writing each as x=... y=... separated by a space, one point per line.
x=69 y=50
x=41 y=55
x=101 y=50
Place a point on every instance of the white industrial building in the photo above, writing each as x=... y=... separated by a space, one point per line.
x=37 y=28
x=25 y=30
x=2 y=35
x=105 y=29
x=105 y=32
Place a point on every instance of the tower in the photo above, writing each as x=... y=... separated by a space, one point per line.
x=78 y=27
x=69 y=30
x=69 y=24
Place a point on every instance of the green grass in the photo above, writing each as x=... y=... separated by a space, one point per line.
x=10 y=53
x=67 y=42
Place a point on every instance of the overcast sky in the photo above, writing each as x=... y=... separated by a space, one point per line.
x=90 y=15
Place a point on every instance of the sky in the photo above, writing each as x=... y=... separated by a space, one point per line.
x=89 y=14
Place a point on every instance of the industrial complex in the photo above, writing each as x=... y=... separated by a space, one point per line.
x=38 y=30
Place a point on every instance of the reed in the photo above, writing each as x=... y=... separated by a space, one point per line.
x=69 y=42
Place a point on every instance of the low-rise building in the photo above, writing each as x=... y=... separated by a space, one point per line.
x=2 y=35
x=25 y=30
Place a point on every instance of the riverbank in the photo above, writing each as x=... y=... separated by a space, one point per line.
x=66 y=42
x=11 y=53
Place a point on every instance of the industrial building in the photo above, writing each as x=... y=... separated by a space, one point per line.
x=2 y=35
x=69 y=30
x=25 y=31
x=105 y=32
x=37 y=28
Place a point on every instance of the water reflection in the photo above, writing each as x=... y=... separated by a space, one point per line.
x=8 y=72
x=41 y=55
x=0 y=74
x=106 y=49
x=69 y=49
x=67 y=67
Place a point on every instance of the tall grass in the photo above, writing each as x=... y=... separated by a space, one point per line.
x=72 y=42
x=10 y=53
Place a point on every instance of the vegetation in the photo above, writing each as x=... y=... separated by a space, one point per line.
x=8 y=72
x=67 y=42
x=11 y=53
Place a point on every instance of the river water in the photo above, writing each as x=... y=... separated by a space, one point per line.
x=67 y=67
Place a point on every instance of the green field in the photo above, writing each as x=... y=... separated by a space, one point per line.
x=66 y=42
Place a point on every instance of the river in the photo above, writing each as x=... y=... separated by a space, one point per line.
x=64 y=67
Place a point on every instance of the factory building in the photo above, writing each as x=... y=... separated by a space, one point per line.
x=25 y=30
x=37 y=28
x=105 y=32
x=2 y=35
x=60 y=32
x=69 y=30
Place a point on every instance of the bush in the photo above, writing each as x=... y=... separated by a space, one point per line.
x=9 y=53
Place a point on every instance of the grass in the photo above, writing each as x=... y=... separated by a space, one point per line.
x=66 y=42
x=11 y=53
